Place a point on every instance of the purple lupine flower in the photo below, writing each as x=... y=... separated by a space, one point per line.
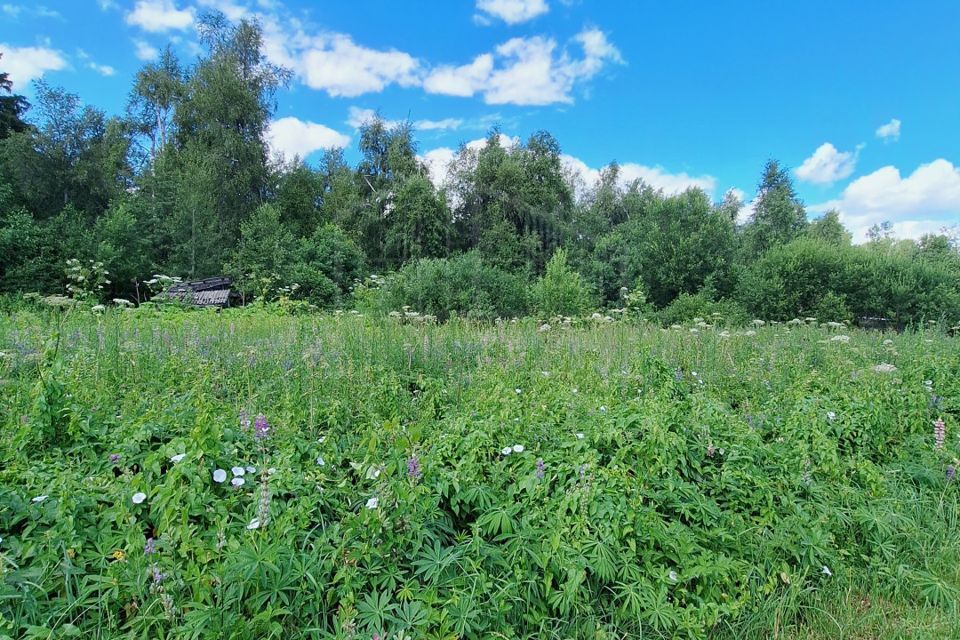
x=413 y=468
x=540 y=469
x=951 y=472
x=260 y=427
x=150 y=547
x=114 y=458
x=244 y=420
x=678 y=374
x=939 y=433
x=157 y=576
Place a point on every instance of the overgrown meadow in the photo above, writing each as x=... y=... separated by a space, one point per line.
x=248 y=474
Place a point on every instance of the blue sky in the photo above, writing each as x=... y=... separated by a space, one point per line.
x=861 y=100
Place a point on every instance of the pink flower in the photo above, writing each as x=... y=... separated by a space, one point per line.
x=939 y=433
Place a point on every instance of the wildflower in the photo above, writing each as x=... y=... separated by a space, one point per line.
x=825 y=570
x=271 y=471
x=951 y=472
x=114 y=458
x=251 y=469
x=254 y=524
x=518 y=390
x=219 y=476
x=260 y=427
x=580 y=436
x=751 y=333
x=939 y=433
x=320 y=461
x=831 y=415
x=139 y=497
x=157 y=576
x=372 y=503
x=238 y=471
x=603 y=408
x=540 y=469
x=118 y=554
x=883 y=367
x=150 y=547
x=518 y=448
x=711 y=450
x=413 y=468
x=575 y=391
x=244 y=420
x=840 y=338
x=673 y=576
x=40 y=499
x=237 y=482
x=177 y=458
x=678 y=375
x=506 y=451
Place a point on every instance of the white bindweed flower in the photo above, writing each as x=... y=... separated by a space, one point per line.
x=237 y=482
x=603 y=408
x=831 y=415
x=673 y=576
x=139 y=497
x=506 y=451
x=40 y=498
x=580 y=436
x=825 y=570
x=518 y=448
x=372 y=503
x=254 y=524
x=519 y=391
x=271 y=471
x=177 y=458
x=251 y=469
x=320 y=461
x=238 y=471
x=219 y=475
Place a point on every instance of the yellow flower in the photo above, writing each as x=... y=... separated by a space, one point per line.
x=118 y=554
x=71 y=554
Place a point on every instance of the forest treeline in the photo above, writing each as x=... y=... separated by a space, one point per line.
x=183 y=183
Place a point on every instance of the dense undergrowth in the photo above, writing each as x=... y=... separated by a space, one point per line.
x=473 y=481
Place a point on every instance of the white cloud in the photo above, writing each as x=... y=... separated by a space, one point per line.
x=357 y=117
x=526 y=71
x=24 y=64
x=513 y=11
x=159 y=16
x=889 y=132
x=336 y=64
x=145 y=51
x=656 y=177
x=462 y=81
x=102 y=69
x=827 y=165
x=294 y=137
x=926 y=200
x=13 y=11
x=231 y=10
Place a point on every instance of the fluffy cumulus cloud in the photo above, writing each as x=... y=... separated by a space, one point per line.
x=510 y=11
x=889 y=132
x=334 y=63
x=294 y=137
x=526 y=71
x=25 y=64
x=922 y=202
x=827 y=165
x=159 y=15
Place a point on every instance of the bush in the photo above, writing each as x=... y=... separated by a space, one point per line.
x=561 y=291
x=700 y=305
x=464 y=285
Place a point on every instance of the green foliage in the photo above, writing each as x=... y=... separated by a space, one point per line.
x=472 y=480
x=561 y=291
x=463 y=285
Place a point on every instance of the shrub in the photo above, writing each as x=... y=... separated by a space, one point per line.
x=561 y=291
x=464 y=285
